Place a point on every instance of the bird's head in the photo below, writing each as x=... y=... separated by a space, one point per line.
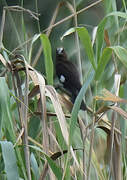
x=60 y=53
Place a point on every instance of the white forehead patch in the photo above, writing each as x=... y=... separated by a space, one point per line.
x=60 y=50
x=62 y=78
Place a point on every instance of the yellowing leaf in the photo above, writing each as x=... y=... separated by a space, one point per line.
x=108 y=96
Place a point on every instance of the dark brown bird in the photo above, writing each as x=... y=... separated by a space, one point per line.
x=68 y=75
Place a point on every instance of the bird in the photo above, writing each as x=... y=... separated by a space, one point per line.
x=68 y=75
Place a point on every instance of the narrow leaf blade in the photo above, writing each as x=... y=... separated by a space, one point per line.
x=56 y=169
x=48 y=58
x=77 y=104
x=121 y=53
x=86 y=41
x=9 y=160
x=107 y=52
x=87 y=44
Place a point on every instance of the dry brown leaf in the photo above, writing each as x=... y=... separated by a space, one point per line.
x=7 y=64
x=106 y=37
x=3 y=60
x=116 y=151
x=39 y=80
x=52 y=94
x=34 y=91
x=102 y=109
x=41 y=83
x=36 y=77
x=108 y=96
x=119 y=110
x=65 y=102
x=33 y=77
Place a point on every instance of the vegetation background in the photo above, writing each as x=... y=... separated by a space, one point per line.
x=41 y=135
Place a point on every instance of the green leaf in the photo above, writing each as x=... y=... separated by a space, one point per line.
x=34 y=39
x=6 y=122
x=68 y=32
x=100 y=38
x=118 y=13
x=9 y=157
x=34 y=166
x=34 y=126
x=86 y=41
x=59 y=135
x=48 y=58
x=77 y=104
x=6 y=114
x=100 y=31
x=121 y=54
x=57 y=170
x=107 y=52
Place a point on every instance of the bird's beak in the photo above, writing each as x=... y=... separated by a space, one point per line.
x=60 y=50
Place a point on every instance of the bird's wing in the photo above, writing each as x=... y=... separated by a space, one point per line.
x=67 y=72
